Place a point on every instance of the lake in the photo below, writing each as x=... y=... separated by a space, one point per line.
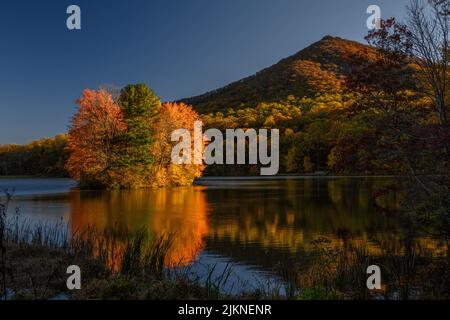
x=254 y=224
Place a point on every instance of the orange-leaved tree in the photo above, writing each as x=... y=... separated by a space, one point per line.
x=93 y=135
x=170 y=117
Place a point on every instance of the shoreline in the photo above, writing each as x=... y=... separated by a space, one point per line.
x=206 y=178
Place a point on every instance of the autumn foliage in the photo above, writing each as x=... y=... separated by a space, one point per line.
x=47 y=156
x=118 y=144
x=94 y=131
x=173 y=116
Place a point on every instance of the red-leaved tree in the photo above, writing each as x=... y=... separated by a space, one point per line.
x=93 y=133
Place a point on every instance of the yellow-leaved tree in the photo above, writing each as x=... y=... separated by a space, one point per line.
x=170 y=117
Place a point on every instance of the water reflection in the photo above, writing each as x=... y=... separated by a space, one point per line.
x=181 y=212
x=257 y=223
x=274 y=221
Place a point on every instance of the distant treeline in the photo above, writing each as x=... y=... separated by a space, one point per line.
x=46 y=156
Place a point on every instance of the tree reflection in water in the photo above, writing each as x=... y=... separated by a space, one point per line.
x=160 y=212
x=254 y=222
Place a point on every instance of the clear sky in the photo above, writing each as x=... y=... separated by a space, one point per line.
x=179 y=48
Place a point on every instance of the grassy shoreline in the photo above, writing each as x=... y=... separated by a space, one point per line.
x=120 y=265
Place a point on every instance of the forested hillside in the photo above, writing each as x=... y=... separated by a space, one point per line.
x=319 y=68
x=312 y=97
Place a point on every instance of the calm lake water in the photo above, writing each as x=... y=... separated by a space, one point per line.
x=253 y=224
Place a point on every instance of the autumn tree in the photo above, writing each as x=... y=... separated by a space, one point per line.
x=405 y=94
x=173 y=116
x=127 y=144
x=429 y=30
x=93 y=136
x=429 y=27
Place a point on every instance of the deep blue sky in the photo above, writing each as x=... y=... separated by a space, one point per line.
x=179 y=48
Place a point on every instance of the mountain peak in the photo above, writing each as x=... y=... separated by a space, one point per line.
x=327 y=37
x=317 y=68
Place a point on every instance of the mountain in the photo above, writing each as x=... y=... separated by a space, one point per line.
x=320 y=67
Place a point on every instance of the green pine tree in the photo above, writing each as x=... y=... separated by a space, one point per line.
x=139 y=105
